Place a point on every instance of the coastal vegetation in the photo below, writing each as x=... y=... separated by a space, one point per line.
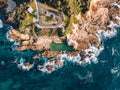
x=49 y=19
x=68 y=10
x=49 y=32
x=23 y=17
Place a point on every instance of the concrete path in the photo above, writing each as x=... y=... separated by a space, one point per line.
x=41 y=24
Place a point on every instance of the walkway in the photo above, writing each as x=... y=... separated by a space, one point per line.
x=42 y=25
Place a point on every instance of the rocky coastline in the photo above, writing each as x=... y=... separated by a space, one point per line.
x=84 y=38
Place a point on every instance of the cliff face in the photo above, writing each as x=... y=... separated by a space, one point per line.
x=98 y=17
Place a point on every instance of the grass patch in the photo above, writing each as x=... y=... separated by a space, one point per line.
x=28 y=17
x=33 y=5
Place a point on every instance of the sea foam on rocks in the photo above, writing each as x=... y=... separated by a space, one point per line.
x=108 y=33
x=93 y=52
x=115 y=4
x=116 y=71
x=15 y=42
x=24 y=67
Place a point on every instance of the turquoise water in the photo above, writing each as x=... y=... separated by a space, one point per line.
x=69 y=77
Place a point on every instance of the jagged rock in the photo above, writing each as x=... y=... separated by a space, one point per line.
x=58 y=62
x=97 y=18
x=22 y=48
x=82 y=45
x=94 y=40
x=49 y=67
x=36 y=56
x=14 y=34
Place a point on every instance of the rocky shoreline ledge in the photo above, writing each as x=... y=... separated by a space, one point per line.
x=85 y=37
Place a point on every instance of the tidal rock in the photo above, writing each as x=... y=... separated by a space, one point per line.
x=14 y=34
x=22 y=48
x=50 y=68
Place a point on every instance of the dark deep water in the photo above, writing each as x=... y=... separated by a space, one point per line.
x=70 y=77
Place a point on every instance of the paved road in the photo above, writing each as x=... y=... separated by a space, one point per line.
x=11 y=6
x=42 y=25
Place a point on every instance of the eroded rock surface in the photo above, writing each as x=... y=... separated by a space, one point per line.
x=97 y=18
x=32 y=42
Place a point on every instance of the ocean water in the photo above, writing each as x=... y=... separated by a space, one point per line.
x=104 y=75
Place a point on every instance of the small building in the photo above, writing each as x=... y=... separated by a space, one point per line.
x=30 y=9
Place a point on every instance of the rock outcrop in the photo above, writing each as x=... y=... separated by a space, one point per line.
x=32 y=42
x=98 y=17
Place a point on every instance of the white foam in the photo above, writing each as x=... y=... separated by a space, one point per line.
x=95 y=50
x=108 y=33
x=92 y=57
x=21 y=66
x=117 y=17
x=43 y=69
x=92 y=54
x=63 y=57
x=49 y=63
x=112 y=25
x=87 y=61
x=94 y=60
x=113 y=51
x=22 y=61
x=1 y=24
x=88 y=77
x=114 y=70
x=15 y=45
x=74 y=58
x=60 y=65
x=9 y=39
x=25 y=68
x=115 y=4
